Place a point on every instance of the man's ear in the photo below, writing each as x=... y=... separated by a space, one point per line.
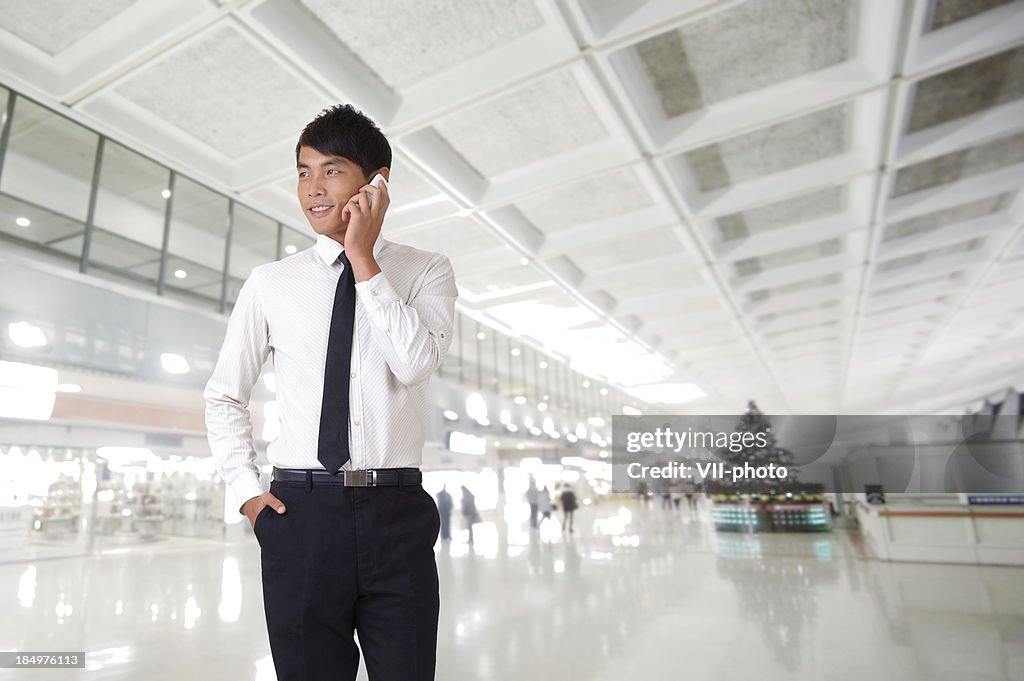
x=386 y=172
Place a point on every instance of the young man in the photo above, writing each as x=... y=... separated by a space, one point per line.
x=356 y=325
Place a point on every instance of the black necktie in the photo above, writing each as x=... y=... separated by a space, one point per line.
x=332 y=449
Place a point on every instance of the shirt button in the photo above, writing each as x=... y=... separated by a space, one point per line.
x=353 y=374
x=355 y=423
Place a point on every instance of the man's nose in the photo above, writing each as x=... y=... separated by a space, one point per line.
x=315 y=187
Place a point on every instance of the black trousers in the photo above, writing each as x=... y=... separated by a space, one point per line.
x=350 y=559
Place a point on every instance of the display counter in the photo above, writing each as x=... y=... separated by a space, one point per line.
x=763 y=512
x=941 y=530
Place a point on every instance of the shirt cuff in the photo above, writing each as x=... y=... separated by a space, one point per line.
x=245 y=487
x=376 y=292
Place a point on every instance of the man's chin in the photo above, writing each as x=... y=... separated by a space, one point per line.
x=329 y=230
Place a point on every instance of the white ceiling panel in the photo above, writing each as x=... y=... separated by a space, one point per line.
x=406 y=41
x=526 y=125
x=54 y=25
x=211 y=85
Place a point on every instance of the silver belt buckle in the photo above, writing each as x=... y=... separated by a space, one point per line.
x=362 y=478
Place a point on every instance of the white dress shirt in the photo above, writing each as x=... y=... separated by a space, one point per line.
x=403 y=328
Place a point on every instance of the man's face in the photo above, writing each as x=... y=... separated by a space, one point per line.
x=326 y=183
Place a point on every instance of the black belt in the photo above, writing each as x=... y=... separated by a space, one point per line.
x=371 y=477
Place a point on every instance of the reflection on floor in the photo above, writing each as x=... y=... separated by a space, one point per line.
x=636 y=592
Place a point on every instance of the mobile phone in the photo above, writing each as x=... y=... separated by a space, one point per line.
x=375 y=182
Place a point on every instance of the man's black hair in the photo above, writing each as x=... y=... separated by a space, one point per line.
x=343 y=130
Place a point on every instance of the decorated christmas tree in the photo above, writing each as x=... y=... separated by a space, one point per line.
x=757 y=424
x=758 y=503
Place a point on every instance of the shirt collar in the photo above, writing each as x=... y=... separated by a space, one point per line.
x=328 y=249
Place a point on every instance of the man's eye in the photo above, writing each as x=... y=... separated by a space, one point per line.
x=331 y=170
x=303 y=174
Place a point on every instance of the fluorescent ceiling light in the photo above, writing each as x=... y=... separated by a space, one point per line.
x=476 y=407
x=667 y=393
x=180 y=274
x=23 y=222
x=451 y=415
x=27 y=391
x=466 y=443
x=631 y=411
x=289 y=249
x=174 y=364
x=26 y=335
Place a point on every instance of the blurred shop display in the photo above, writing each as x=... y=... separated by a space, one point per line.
x=47 y=495
x=780 y=505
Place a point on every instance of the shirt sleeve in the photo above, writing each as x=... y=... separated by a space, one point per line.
x=414 y=338
x=228 y=418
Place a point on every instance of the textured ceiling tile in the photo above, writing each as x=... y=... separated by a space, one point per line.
x=54 y=25
x=787 y=257
x=786 y=145
x=940 y=280
x=406 y=41
x=744 y=48
x=634 y=247
x=931 y=254
x=537 y=121
x=588 y=200
x=670 y=74
x=957 y=165
x=801 y=328
x=795 y=287
x=967 y=90
x=945 y=12
x=949 y=216
x=211 y=87
x=802 y=309
x=793 y=211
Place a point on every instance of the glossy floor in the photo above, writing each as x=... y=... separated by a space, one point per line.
x=637 y=592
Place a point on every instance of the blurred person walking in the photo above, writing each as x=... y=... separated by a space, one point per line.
x=444 y=510
x=469 y=513
x=532 y=494
x=568 y=507
x=544 y=506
